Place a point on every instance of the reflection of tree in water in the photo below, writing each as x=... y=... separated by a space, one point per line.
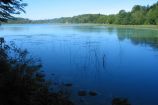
x=139 y=36
x=87 y=28
x=13 y=28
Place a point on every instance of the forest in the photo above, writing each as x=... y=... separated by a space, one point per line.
x=139 y=15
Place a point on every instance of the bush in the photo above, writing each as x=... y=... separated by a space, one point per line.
x=22 y=82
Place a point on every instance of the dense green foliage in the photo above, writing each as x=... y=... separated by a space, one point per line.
x=139 y=15
x=21 y=80
x=10 y=7
x=19 y=21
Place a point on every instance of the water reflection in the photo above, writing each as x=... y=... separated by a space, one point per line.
x=144 y=37
x=113 y=61
x=137 y=36
x=13 y=27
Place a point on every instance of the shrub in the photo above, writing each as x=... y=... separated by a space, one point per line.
x=21 y=80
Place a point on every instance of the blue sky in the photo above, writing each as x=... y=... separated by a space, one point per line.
x=48 y=9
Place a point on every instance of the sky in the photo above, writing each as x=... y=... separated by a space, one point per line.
x=49 y=9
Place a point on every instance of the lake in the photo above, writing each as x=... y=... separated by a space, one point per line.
x=114 y=62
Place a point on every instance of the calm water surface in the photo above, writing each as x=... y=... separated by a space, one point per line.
x=113 y=61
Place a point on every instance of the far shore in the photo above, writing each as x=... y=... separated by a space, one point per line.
x=153 y=27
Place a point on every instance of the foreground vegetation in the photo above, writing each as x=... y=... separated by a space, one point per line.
x=8 y=8
x=22 y=82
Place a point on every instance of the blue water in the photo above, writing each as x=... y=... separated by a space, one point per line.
x=115 y=62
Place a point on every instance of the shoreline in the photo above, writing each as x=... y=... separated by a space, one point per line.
x=152 y=27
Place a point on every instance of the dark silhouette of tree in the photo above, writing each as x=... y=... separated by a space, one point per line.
x=9 y=8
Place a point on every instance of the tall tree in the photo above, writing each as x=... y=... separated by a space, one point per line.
x=123 y=17
x=152 y=15
x=138 y=14
x=8 y=8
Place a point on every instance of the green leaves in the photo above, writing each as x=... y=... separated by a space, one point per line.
x=139 y=15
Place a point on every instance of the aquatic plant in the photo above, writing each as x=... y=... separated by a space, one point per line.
x=93 y=93
x=68 y=84
x=22 y=82
x=120 y=101
x=82 y=93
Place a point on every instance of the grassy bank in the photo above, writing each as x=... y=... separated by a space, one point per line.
x=153 y=27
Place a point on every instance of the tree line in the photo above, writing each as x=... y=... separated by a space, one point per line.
x=139 y=15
